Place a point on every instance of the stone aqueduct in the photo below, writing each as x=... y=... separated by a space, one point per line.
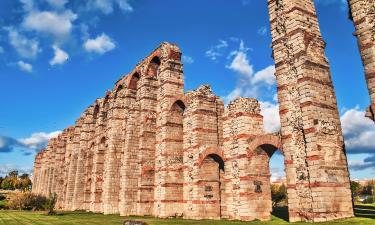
x=148 y=148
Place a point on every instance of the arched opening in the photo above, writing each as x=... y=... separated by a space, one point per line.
x=153 y=67
x=118 y=91
x=270 y=182
x=134 y=81
x=210 y=188
x=96 y=112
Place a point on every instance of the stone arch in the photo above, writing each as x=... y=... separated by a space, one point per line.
x=259 y=152
x=268 y=141
x=118 y=91
x=178 y=106
x=133 y=81
x=153 y=66
x=209 y=188
x=210 y=151
x=96 y=111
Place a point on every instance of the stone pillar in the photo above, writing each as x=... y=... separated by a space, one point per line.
x=147 y=98
x=130 y=169
x=111 y=185
x=169 y=141
x=242 y=123
x=71 y=168
x=36 y=173
x=363 y=16
x=316 y=166
x=60 y=169
x=203 y=175
x=100 y=147
x=78 y=195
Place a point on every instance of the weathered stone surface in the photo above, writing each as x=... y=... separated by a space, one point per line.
x=148 y=148
x=363 y=15
x=312 y=141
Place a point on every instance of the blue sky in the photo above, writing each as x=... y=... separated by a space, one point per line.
x=58 y=56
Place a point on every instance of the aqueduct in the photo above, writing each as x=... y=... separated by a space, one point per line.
x=148 y=148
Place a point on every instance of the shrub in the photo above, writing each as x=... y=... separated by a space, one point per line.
x=26 y=201
x=2 y=197
x=369 y=200
x=50 y=203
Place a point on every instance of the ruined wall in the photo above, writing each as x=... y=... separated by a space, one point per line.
x=363 y=15
x=148 y=148
x=316 y=167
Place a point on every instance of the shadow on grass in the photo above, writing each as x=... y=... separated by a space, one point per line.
x=365 y=211
x=281 y=213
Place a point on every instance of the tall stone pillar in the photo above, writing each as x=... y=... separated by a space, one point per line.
x=316 y=169
x=72 y=149
x=363 y=15
x=60 y=169
x=203 y=182
x=129 y=172
x=147 y=98
x=111 y=185
x=78 y=195
x=169 y=142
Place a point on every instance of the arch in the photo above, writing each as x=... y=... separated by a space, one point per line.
x=133 y=82
x=96 y=111
x=153 y=67
x=178 y=106
x=270 y=143
x=117 y=91
x=210 y=151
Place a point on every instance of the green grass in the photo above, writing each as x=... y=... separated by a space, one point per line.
x=8 y=217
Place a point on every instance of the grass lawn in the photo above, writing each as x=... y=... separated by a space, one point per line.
x=83 y=218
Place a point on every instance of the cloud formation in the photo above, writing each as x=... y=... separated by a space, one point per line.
x=26 y=67
x=35 y=142
x=60 y=56
x=107 y=6
x=101 y=44
x=6 y=168
x=26 y=48
x=359 y=132
x=216 y=51
x=187 y=59
x=59 y=25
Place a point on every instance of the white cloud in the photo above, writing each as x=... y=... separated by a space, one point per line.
x=262 y=31
x=266 y=75
x=26 y=48
x=60 y=56
x=58 y=4
x=124 y=5
x=359 y=131
x=58 y=25
x=106 y=6
x=101 y=44
x=187 y=59
x=25 y=66
x=240 y=61
x=271 y=118
x=28 y=5
x=36 y=140
x=216 y=51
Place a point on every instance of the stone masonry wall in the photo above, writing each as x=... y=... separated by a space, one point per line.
x=312 y=141
x=148 y=148
x=363 y=15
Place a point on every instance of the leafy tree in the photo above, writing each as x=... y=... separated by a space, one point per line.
x=49 y=205
x=278 y=194
x=13 y=174
x=369 y=189
x=356 y=188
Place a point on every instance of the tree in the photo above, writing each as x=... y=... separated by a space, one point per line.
x=355 y=187
x=1 y=181
x=278 y=194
